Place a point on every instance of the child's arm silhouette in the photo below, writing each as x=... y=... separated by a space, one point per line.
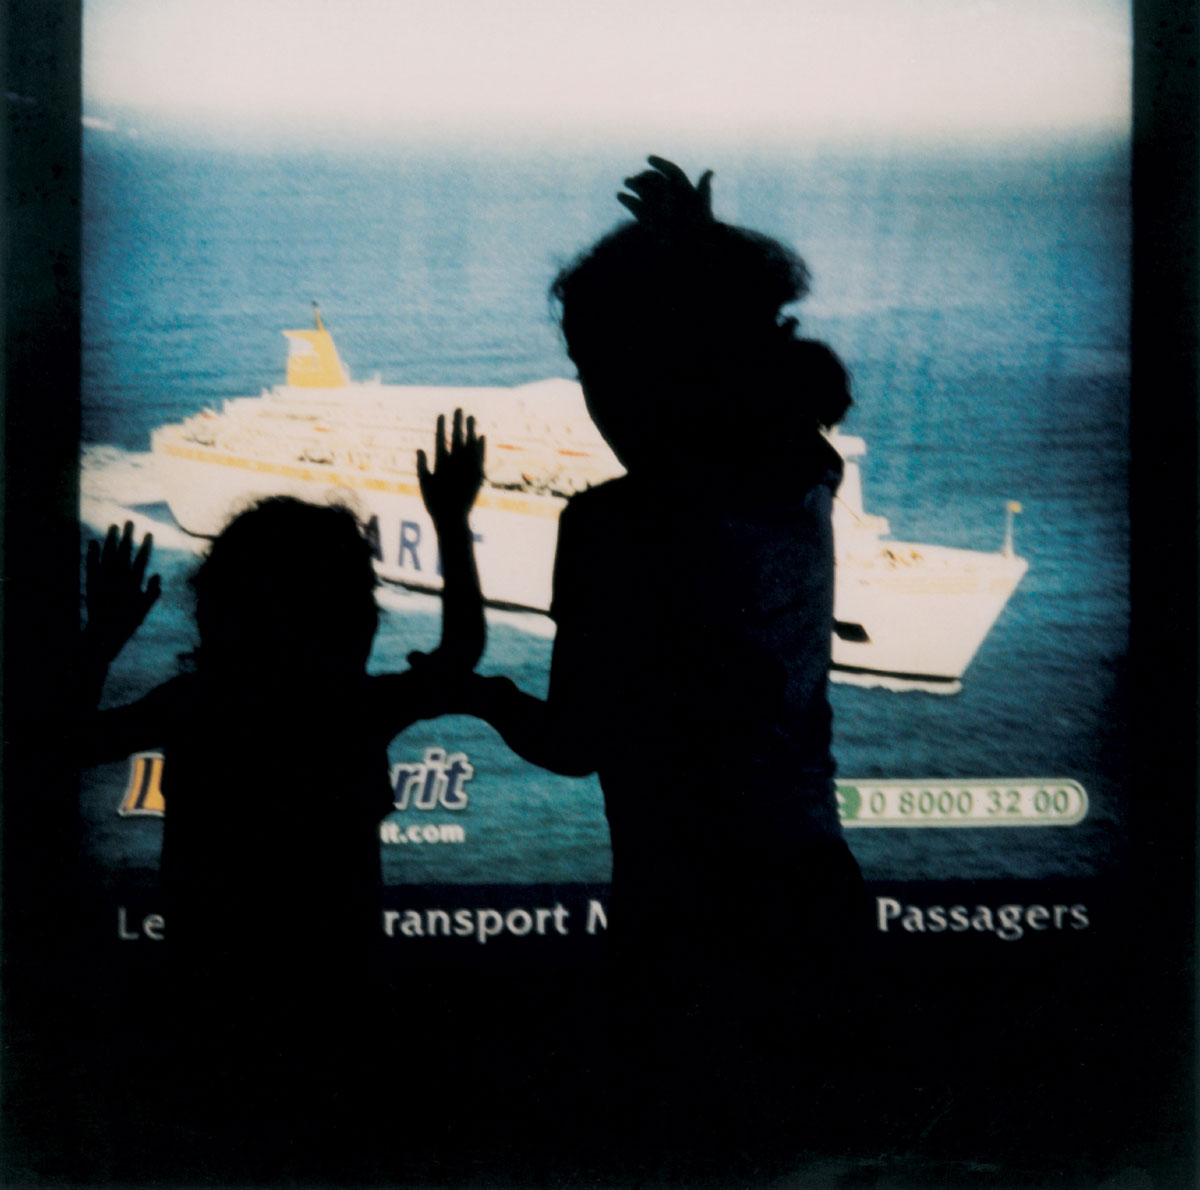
x=562 y=733
x=449 y=491
x=119 y=596
x=553 y=733
x=117 y=603
x=433 y=684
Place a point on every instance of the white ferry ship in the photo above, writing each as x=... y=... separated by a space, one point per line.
x=907 y=615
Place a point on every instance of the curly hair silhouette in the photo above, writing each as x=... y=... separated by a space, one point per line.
x=676 y=324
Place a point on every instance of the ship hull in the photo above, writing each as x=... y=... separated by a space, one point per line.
x=907 y=616
x=917 y=623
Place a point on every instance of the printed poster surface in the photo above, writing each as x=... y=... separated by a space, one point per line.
x=283 y=303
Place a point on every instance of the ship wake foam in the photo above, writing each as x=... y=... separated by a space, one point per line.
x=118 y=485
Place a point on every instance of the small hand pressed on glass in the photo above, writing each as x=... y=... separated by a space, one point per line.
x=449 y=490
x=117 y=601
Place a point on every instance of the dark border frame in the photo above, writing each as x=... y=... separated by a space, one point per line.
x=1147 y=1013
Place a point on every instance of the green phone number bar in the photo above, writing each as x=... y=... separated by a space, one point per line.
x=1023 y=801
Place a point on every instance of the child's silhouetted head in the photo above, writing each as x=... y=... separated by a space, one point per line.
x=285 y=594
x=675 y=324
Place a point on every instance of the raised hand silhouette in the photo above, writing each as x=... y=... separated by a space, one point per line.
x=664 y=199
x=118 y=595
x=449 y=490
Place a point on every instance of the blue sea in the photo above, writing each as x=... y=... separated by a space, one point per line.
x=980 y=298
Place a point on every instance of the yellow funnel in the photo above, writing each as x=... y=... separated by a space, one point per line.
x=313 y=361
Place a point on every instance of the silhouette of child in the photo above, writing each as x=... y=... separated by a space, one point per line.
x=693 y=599
x=276 y=765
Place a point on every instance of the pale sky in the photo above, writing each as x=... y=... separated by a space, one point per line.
x=738 y=67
